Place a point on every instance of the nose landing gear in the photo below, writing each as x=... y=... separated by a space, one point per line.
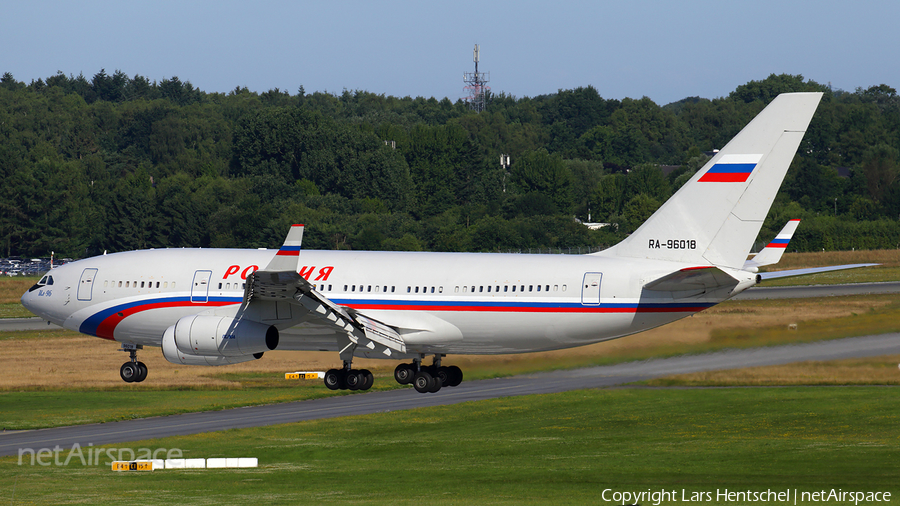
x=133 y=371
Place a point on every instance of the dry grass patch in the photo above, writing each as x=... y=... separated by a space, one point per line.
x=855 y=316
x=11 y=289
x=50 y=360
x=857 y=371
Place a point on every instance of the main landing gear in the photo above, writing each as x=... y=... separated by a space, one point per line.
x=346 y=378
x=428 y=378
x=133 y=371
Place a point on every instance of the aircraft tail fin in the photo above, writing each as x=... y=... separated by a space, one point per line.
x=715 y=217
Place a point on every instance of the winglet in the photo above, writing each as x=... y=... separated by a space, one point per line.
x=288 y=255
x=771 y=254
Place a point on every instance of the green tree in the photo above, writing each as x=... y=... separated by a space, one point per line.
x=637 y=210
x=648 y=179
x=881 y=169
x=772 y=86
x=546 y=174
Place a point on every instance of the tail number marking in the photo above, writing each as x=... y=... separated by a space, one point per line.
x=673 y=244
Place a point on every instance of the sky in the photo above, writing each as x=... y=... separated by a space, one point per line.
x=664 y=50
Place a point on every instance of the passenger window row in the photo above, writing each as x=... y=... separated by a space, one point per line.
x=233 y=286
x=360 y=288
x=364 y=288
x=134 y=284
x=440 y=289
x=508 y=288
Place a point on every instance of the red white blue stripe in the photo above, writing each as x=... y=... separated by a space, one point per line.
x=103 y=323
x=291 y=246
x=290 y=251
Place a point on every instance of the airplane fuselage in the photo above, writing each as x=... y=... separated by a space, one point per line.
x=460 y=303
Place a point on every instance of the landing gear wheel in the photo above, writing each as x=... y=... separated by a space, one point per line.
x=368 y=379
x=423 y=382
x=334 y=379
x=142 y=372
x=444 y=375
x=455 y=374
x=354 y=380
x=132 y=371
x=404 y=374
x=436 y=386
x=129 y=372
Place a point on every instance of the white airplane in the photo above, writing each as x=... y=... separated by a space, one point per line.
x=216 y=306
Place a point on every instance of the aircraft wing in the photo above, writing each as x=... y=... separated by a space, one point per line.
x=280 y=282
x=810 y=270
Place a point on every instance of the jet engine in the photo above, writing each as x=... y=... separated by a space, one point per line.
x=217 y=340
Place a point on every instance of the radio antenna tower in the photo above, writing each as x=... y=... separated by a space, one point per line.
x=476 y=85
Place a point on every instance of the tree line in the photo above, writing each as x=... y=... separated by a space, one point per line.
x=114 y=163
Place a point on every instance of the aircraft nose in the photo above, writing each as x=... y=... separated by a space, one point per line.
x=29 y=300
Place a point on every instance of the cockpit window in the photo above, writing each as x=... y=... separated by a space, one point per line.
x=45 y=281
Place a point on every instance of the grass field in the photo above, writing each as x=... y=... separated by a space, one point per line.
x=550 y=449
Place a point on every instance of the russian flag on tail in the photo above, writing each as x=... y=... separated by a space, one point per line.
x=783 y=238
x=771 y=254
x=731 y=169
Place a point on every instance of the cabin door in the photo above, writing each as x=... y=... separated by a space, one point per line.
x=590 y=289
x=200 y=287
x=86 y=285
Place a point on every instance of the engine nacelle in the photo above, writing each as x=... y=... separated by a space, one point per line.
x=217 y=340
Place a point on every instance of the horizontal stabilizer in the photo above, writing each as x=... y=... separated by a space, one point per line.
x=705 y=278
